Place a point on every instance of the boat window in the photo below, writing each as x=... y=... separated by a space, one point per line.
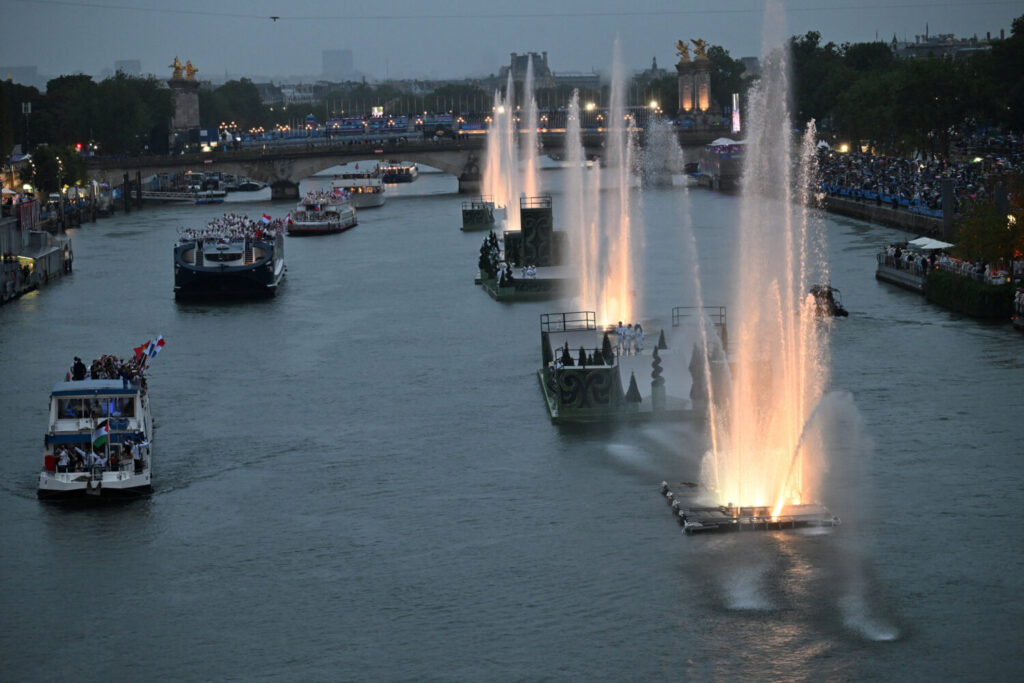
x=71 y=409
x=121 y=406
x=98 y=408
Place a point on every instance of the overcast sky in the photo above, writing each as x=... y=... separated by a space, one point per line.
x=439 y=38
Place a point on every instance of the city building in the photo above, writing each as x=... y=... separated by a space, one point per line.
x=941 y=45
x=518 y=64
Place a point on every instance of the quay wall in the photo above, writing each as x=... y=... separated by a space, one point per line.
x=883 y=215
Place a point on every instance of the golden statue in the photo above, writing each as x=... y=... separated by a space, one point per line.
x=190 y=71
x=700 y=48
x=177 y=68
x=683 y=50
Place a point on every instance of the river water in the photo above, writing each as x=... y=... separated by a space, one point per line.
x=358 y=480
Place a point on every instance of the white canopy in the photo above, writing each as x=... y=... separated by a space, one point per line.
x=928 y=244
x=724 y=141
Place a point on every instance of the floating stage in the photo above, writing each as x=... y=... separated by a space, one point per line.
x=585 y=378
x=701 y=519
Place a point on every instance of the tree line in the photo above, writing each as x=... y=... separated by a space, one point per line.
x=861 y=91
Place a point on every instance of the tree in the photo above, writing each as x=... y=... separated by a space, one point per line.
x=53 y=167
x=818 y=76
x=133 y=115
x=70 y=104
x=988 y=234
x=237 y=101
x=726 y=76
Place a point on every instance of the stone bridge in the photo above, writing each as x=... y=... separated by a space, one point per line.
x=283 y=164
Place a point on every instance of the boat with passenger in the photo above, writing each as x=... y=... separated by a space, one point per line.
x=322 y=213
x=827 y=302
x=98 y=445
x=399 y=172
x=232 y=257
x=366 y=190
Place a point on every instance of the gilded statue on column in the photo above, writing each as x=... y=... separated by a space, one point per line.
x=177 y=68
x=190 y=71
x=683 y=50
x=700 y=48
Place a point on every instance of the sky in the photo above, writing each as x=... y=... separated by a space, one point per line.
x=437 y=39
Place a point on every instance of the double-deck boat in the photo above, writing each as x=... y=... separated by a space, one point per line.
x=322 y=213
x=399 y=172
x=233 y=257
x=366 y=190
x=99 y=442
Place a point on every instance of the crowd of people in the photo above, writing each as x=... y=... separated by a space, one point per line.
x=336 y=196
x=491 y=262
x=128 y=454
x=916 y=184
x=921 y=263
x=130 y=371
x=629 y=339
x=232 y=227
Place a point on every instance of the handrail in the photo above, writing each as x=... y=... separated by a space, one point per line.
x=568 y=321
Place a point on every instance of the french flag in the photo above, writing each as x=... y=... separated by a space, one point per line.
x=266 y=219
x=155 y=346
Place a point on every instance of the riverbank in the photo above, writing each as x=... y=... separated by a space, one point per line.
x=882 y=214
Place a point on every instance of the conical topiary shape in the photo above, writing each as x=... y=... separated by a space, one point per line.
x=661 y=340
x=633 y=393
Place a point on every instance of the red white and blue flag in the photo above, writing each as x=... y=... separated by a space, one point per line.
x=155 y=346
x=266 y=219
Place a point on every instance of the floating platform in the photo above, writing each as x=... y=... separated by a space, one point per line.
x=550 y=283
x=702 y=519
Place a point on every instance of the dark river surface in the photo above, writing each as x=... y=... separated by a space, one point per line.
x=358 y=480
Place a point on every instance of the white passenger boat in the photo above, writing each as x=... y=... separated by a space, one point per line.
x=365 y=189
x=99 y=441
x=322 y=213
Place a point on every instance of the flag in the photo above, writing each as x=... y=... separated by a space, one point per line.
x=140 y=351
x=266 y=219
x=288 y=218
x=155 y=346
x=101 y=434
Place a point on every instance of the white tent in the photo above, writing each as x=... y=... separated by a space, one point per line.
x=928 y=244
x=719 y=142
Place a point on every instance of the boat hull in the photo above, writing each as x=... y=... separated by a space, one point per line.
x=320 y=228
x=368 y=200
x=260 y=279
x=82 y=487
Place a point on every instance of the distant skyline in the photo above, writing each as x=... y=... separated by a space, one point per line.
x=442 y=38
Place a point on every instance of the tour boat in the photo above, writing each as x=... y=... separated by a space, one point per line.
x=107 y=422
x=233 y=257
x=827 y=302
x=399 y=172
x=366 y=190
x=322 y=213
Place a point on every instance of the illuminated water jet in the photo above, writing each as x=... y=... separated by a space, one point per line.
x=779 y=369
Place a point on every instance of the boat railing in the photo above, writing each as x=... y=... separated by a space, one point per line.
x=568 y=322
x=717 y=314
x=541 y=202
